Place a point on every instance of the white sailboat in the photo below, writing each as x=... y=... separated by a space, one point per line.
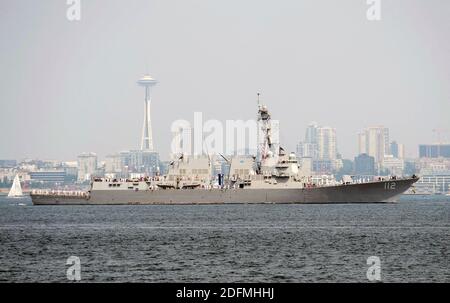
x=16 y=189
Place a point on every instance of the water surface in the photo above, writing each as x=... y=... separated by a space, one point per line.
x=227 y=243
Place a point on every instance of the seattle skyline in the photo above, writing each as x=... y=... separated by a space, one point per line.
x=84 y=97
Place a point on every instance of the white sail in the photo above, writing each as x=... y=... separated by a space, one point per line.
x=16 y=189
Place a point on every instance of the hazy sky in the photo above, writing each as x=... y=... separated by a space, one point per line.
x=69 y=87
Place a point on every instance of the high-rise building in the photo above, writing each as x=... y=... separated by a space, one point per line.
x=319 y=143
x=374 y=141
x=311 y=133
x=71 y=170
x=401 y=151
x=113 y=164
x=307 y=150
x=320 y=149
x=397 y=150
x=87 y=166
x=362 y=143
x=434 y=150
x=326 y=143
x=394 y=149
x=364 y=165
x=323 y=166
x=141 y=161
x=147 y=137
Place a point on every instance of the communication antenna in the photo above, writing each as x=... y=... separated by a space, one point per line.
x=258 y=139
x=207 y=153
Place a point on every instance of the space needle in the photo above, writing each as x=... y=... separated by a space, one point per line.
x=147 y=138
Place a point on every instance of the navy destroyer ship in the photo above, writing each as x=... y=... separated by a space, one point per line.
x=272 y=176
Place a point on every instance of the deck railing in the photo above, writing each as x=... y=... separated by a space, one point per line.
x=60 y=193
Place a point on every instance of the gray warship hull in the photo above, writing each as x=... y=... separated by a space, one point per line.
x=371 y=192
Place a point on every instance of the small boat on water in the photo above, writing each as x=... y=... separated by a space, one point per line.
x=16 y=189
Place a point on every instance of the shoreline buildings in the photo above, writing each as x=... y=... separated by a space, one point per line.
x=130 y=163
x=434 y=164
x=87 y=166
x=374 y=141
x=388 y=156
x=144 y=161
x=318 y=157
x=318 y=152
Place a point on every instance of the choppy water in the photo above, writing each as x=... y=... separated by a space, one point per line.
x=227 y=243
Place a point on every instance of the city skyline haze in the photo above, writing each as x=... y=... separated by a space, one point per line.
x=69 y=87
